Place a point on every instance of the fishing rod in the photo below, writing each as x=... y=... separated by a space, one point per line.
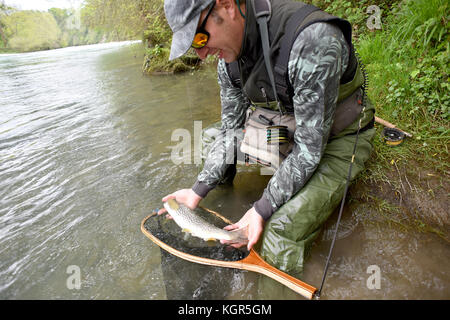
x=347 y=183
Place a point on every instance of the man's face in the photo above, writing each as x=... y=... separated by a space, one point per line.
x=226 y=29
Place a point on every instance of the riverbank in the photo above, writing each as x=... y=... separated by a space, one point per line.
x=156 y=62
x=8 y=50
x=408 y=64
x=404 y=194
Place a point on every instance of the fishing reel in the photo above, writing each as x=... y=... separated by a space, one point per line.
x=392 y=136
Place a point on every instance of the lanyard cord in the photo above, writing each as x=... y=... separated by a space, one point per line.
x=364 y=88
x=262 y=12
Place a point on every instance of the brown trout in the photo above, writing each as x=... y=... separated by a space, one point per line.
x=190 y=222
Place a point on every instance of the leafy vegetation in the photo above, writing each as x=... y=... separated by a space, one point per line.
x=123 y=19
x=408 y=64
x=27 y=30
x=3 y=11
x=407 y=61
x=22 y=31
x=414 y=52
x=143 y=19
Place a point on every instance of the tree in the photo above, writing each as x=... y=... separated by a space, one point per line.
x=32 y=30
x=4 y=11
x=60 y=16
x=127 y=19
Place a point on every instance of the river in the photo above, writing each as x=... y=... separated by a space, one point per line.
x=85 y=155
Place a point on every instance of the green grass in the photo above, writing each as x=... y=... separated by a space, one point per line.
x=408 y=65
x=423 y=22
x=407 y=62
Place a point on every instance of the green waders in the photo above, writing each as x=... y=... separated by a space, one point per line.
x=291 y=230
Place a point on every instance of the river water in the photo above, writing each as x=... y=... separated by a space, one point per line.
x=85 y=155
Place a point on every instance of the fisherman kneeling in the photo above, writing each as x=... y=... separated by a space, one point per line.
x=292 y=70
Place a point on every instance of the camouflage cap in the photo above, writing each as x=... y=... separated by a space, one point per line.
x=183 y=17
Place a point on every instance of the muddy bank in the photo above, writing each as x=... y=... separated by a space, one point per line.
x=409 y=197
x=156 y=62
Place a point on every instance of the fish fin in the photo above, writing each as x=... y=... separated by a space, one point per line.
x=173 y=204
x=186 y=230
x=210 y=239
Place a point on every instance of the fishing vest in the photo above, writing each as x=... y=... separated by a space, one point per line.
x=287 y=20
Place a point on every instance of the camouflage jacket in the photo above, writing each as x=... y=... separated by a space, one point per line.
x=317 y=61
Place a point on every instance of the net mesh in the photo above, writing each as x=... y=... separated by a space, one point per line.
x=186 y=280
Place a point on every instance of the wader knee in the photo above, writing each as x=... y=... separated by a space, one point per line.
x=293 y=228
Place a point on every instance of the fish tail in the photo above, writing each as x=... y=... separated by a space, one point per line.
x=240 y=234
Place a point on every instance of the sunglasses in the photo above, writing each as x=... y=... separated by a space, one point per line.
x=201 y=35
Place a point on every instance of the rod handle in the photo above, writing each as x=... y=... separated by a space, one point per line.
x=390 y=125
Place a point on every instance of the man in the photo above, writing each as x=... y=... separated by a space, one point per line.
x=308 y=184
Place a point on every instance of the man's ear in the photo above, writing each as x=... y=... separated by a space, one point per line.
x=230 y=7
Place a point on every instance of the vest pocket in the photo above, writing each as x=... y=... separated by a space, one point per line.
x=260 y=128
x=347 y=111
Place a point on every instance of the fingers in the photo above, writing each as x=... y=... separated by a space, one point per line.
x=238 y=245
x=233 y=244
x=169 y=196
x=252 y=240
x=253 y=236
x=163 y=210
x=255 y=229
x=185 y=196
x=231 y=227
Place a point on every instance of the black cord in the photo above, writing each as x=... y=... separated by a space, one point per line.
x=363 y=102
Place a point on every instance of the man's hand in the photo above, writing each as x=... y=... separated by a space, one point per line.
x=185 y=196
x=255 y=224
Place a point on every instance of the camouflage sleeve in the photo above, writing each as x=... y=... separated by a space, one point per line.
x=221 y=154
x=317 y=61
